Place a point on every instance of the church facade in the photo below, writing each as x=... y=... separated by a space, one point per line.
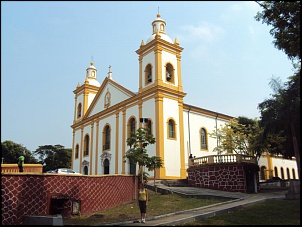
x=106 y=113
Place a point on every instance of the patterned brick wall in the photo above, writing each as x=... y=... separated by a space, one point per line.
x=225 y=177
x=34 y=194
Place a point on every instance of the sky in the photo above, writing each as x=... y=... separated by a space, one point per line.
x=227 y=62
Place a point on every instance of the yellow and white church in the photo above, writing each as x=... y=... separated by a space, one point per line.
x=106 y=113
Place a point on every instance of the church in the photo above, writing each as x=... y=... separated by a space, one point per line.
x=106 y=113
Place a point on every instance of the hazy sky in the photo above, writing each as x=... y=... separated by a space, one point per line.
x=227 y=62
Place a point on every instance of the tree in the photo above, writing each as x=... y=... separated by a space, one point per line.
x=154 y=163
x=11 y=152
x=281 y=113
x=284 y=17
x=138 y=153
x=54 y=157
x=245 y=136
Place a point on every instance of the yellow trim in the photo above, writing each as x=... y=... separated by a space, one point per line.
x=91 y=148
x=178 y=58
x=97 y=147
x=158 y=69
x=82 y=149
x=206 y=138
x=129 y=126
x=140 y=59
x=124 y=140
x=140 y=106
x=73 y=149
x=116 y=141
x=75 y=108
x=168 y=129
x=147 y=68
x=160 y=173
x=85 y=145
x=172 y=70
x=85 y=102
x=270 y=165
x=104 y=138
x=183 y=172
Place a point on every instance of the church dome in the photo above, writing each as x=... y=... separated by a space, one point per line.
x=159 y=26
x=91 y=75
x=94 y=82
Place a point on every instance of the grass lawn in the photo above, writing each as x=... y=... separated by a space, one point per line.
x=270 y=212
x=158 y=205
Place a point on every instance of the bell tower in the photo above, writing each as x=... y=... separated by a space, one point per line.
x=160 y=77
x=159 y=59
x=85 y=93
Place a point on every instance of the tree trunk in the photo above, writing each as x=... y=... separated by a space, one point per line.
x=296 y=148
x=154 y=182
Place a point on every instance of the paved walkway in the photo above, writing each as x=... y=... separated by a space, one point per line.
x=239 y=200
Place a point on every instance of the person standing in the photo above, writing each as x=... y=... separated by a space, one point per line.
x=143 y=201
x=21 y=163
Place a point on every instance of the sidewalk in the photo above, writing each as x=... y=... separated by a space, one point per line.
x=239 y=200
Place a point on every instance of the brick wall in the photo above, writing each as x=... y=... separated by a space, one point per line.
x=26 y=194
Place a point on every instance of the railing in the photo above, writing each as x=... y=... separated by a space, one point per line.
x=27 y=168
x=228 y=158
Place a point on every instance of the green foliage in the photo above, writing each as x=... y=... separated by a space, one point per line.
x=54 y=156
x=138 y=152
x=281 y=113
x=11 y=151
x=145 y=176
x=284 y=17
x=245 y=136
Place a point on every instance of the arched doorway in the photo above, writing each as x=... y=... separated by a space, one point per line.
x=85 y=170
x=106 y=166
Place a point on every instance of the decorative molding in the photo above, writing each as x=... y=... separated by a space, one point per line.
x=104 y=156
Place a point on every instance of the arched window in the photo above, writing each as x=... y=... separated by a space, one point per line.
x=106 y=166
x=288 y=173
x=131 y=127
x=171 y=129
x=203 y=139
x=162 y=27
x=276 y=171
x=106 y=138
x=148 y=74
x=282 y=173
x=149 y=125
x=86 y=145
x=76 y=155
x=262 y=173
x=294 y=174
x=169 y=73
x=79 y=110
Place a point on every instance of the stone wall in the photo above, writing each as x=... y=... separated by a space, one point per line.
x=225 y=177
x=46 y=194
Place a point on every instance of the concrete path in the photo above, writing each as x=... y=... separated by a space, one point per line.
x=239 y=200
